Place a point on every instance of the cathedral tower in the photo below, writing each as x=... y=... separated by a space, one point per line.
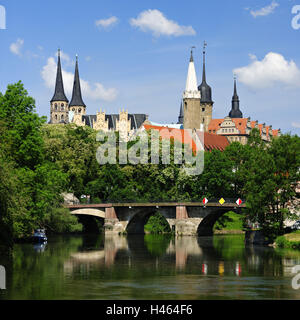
x=206 y=103
x=235 y=104
x=59 y=103
x=77 y=105
x=191 y=99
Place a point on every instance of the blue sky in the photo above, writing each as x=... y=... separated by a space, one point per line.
x=134 y=54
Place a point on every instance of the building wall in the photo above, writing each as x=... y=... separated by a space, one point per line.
x=59 y=112
x=192 y=114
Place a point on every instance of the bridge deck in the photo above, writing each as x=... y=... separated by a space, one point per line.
x=158 y=204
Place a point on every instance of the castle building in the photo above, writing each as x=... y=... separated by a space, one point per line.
x=197 y=109
x=63 y=112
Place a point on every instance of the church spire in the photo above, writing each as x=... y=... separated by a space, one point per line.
x=181 y=115
x=235 y=108
x=204 y=88
x=76 y=96
x=204 y=71
x=191 y=90
x=59 y=94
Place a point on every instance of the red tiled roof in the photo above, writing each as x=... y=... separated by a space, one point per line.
x=211 y=141
x=240 y=124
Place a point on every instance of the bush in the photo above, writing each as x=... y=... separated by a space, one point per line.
x=61 y=221
x=157 y=224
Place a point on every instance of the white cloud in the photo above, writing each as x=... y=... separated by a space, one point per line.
x=94 y=91
x=296 y=125
x=105 y=23
x=272 y=69
x=154 y=21
x=265 y=11
x=16 y=47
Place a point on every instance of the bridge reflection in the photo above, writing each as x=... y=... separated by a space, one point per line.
x=204 y=256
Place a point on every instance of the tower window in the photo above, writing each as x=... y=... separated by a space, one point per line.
x=62 y=117
x=73 y=109
x=56 y=117
x=79 y=110
x=203 y=109
x=55 y=106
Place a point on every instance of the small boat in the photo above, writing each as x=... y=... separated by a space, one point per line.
x=39 y=236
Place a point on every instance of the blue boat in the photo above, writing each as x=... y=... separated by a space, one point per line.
x=39 y=236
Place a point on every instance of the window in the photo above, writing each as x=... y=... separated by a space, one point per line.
x=55 y=106
x=79 y=110
x=203 y=109
x=62 y=117
x=56 y=117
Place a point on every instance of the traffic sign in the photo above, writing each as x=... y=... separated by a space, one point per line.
x=239 y=202
x=204 y=201
x=222 y=201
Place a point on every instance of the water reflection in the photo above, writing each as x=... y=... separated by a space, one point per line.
x=150 y=267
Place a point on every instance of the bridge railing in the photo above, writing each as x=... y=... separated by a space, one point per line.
x=211 y=200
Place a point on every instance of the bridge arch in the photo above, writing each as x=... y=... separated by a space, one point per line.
x=91 y=219
x=90 y=212
x=138 y=221
x=206 y=226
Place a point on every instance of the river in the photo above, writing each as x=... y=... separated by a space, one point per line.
x=148 y=267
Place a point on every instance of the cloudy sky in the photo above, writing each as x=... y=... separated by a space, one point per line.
x=134 y=54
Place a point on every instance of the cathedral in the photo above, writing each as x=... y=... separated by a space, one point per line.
x=197 y=107
x=62 y=111
x=195 y=112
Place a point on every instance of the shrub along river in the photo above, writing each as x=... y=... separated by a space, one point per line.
x=148 y=267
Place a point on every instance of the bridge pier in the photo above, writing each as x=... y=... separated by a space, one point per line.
x=186 y=224
x=112 y=224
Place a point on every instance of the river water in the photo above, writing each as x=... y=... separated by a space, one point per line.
x=148 y=267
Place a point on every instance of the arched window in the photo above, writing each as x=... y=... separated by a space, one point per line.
x=55 y=106
x=62 y=117
x=79 y=110
x=56 y=117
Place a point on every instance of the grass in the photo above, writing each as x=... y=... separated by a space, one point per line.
x=290 y=240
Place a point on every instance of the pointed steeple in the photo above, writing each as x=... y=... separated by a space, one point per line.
x=235 y=104
x=59 y=94
x=204 y=88
x=191 y=90
x=181 y=115
x=76 y=96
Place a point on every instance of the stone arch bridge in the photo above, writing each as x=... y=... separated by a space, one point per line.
x=189 y=218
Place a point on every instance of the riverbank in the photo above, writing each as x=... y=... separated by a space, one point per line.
x=289 y=241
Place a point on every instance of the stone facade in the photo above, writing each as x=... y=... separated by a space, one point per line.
x=59 y=112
